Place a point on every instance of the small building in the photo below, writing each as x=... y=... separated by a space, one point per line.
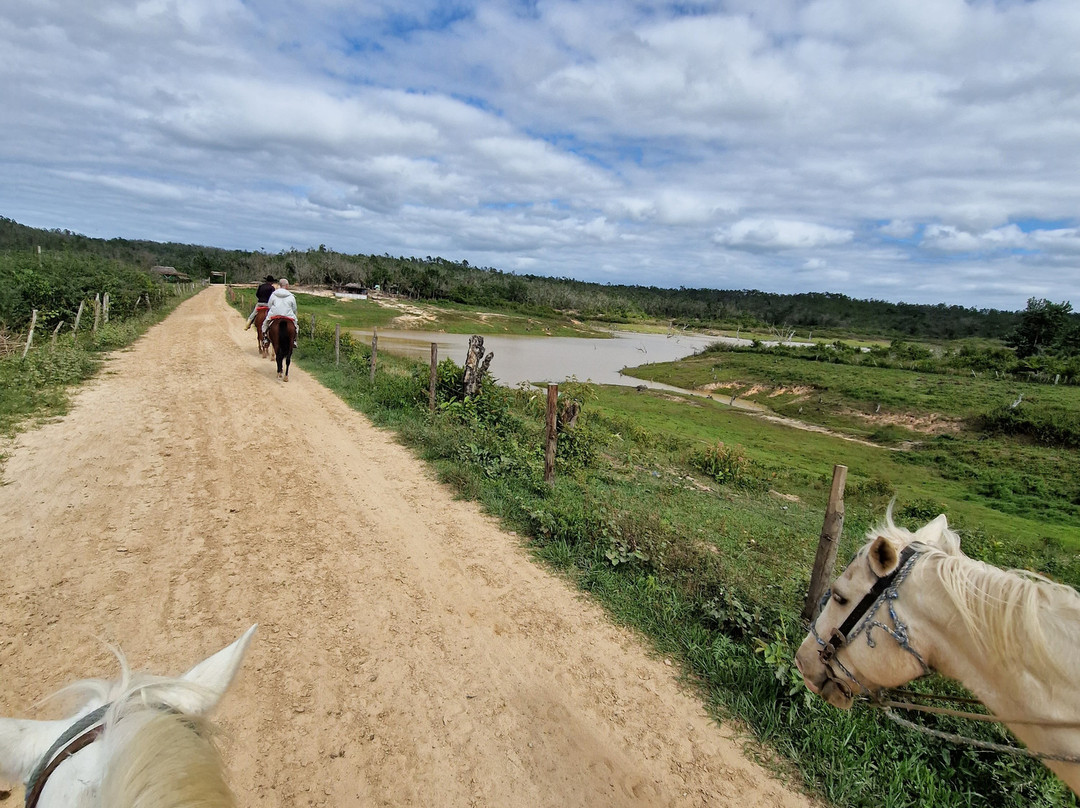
x=352 y=291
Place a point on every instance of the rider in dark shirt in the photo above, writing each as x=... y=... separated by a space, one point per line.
x=262 y=298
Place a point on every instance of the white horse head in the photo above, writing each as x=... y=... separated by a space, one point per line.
x=867 y=666
x=909 y=603
x=140 y=740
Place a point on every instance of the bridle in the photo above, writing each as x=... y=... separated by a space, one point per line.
x=80 y=734
x=862 y=618
x=75 y=738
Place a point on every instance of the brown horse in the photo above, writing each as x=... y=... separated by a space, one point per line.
x=260 y=316
x=282 y=335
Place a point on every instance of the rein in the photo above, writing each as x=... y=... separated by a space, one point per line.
x=80 y=734
x=75 y=738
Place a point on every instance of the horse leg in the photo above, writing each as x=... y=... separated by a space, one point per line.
x=288 y=335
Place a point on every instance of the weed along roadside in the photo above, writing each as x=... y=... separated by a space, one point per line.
x=698 y=525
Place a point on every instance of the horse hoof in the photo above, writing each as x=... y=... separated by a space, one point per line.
x=284 y=378
x=279 y=374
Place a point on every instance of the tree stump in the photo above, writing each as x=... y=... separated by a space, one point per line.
x=476 y=365
x=569 y=410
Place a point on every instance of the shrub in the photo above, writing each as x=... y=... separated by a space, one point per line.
x=728 y=465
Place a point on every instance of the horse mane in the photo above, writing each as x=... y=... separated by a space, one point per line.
x=164 y=760
x=155 y=757
x=1022 y=618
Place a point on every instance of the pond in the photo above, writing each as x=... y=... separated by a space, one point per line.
x=538 y=360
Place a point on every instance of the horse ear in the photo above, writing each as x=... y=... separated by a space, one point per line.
x=23 y=743
x=209 y=679
x=937 y=534
x=882 y=556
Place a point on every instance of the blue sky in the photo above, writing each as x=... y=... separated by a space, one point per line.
x=924 y=151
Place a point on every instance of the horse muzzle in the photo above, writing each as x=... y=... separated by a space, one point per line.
x=819 y=679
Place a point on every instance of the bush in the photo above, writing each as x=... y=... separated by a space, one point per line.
x=728 y=465
x=1042 y=426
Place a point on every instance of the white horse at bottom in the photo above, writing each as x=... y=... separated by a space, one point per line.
x=142 y=740
x=910 y=603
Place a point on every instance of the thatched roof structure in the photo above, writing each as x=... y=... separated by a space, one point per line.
x=170 y=273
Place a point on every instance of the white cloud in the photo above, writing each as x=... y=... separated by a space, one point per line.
x=898 y=229
x=780 y=234
x=950 y=238
x=757 y=142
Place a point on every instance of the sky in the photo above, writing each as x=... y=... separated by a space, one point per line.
x=924 y=151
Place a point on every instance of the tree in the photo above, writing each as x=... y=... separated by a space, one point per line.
x=1044 y=326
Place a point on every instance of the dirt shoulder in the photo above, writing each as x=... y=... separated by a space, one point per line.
x=409 y=652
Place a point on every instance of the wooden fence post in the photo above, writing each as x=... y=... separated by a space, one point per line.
x=551 y=418
x=97 y=312
x=434 y=375
x=374 y=351
x=30 y=335
x=313 y=325
x=52 y=342
x=78 y=316
x=825 y=561
x=105 y=308
x=337 y=344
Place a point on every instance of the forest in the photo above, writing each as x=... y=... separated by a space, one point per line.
x=436 y=278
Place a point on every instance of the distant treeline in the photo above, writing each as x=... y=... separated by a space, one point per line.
x=436 y=278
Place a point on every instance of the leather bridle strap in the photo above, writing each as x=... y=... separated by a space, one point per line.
x=80 y=734
x=839 y=637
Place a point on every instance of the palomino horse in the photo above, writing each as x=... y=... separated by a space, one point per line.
x=911 y=603
x=139 y=741
x=260 y=316
x=282 y=335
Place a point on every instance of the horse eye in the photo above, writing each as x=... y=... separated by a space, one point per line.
x=840 y=599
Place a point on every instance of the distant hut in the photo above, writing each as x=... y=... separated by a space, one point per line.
x=352 y=291
x=170 y=274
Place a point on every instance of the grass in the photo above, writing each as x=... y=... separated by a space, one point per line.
x=394 y=313
x=1006 y=485
x=714 y=572
x=837 y=394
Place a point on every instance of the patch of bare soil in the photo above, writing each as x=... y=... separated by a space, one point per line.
x=931 y=424
x=409 y=651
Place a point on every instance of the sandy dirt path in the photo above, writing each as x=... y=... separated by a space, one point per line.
x=409 y=652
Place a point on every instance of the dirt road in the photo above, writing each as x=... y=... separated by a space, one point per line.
x=409 y=652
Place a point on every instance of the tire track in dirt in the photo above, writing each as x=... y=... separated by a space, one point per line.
x=409 y=652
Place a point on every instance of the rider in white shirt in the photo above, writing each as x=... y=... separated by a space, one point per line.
x=282 y=304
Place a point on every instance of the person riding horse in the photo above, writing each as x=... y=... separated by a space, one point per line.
x=282 y=305
x=262 y=298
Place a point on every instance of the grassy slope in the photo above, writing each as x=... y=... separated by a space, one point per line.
x=1006 y=487
x=448 y=317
